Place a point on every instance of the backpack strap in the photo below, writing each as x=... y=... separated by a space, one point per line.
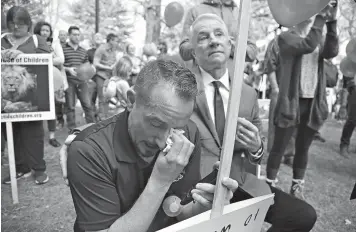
x=35 y=40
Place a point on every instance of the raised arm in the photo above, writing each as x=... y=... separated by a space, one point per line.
x=293 y=44
x=331 y=44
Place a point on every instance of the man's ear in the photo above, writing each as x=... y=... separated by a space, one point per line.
x=131 y=98
x=193 y=54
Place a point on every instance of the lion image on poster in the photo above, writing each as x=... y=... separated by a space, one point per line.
x=18 y=89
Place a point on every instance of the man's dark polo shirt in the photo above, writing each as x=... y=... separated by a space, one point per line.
x=106 y=175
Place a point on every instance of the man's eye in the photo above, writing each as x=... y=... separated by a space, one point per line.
x=155 y=123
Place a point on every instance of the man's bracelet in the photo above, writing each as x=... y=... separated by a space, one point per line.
x=259 y=152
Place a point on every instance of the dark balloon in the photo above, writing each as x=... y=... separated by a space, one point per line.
x=347 y=67
x=173 y=14
x=292 y=12
x=351 y=50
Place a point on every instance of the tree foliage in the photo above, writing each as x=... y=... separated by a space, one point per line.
x=347 y=20
x=34 y=7
x=112 y=17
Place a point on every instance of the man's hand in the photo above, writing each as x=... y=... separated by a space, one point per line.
x=330 y=11
x=63 y=156
x=333 y=8
x=342 y=115
x=247 y=135
x=10 y=54
x=169 y=165
x=72 y=71
x=204 y=192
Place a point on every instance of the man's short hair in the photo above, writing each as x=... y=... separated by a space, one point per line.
x=110 y=37
x=71 y=28
x=181 y=79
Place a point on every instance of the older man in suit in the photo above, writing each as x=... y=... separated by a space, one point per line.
x=211 y=50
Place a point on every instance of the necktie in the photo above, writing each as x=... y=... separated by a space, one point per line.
x=219 y=111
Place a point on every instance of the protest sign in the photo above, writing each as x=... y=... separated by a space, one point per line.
x=27 y=92
x=243 y=216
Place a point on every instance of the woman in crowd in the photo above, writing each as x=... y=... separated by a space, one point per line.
x=301 y=103
x=115 y=89
x=28 y=136
x=44 y=29
x=136 y=62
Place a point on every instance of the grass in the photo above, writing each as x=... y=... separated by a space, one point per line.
x=329 y=182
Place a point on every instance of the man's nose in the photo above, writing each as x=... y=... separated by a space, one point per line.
x=162 y=138
x=214 y=41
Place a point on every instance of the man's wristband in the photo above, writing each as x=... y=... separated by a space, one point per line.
x=258 y=153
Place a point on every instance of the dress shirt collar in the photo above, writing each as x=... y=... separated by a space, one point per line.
x=208 y=79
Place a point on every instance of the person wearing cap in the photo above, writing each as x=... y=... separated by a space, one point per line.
x=211 y=47
x=301 y=103
x=229 y=12
x=120 y=174
x=350 y=124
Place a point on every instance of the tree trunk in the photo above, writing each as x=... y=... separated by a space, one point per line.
x=153 y=21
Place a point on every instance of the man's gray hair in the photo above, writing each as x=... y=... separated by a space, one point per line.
x=160 y=71
x=202 y=17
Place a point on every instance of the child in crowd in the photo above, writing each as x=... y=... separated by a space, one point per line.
x=116 y=87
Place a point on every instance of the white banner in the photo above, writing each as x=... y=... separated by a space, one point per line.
x=27 y=92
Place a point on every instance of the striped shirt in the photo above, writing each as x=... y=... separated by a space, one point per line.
x=74 y=58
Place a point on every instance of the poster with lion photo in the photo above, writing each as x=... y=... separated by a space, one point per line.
x=27 y=92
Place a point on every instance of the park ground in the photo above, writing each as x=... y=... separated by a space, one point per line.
x=329 y=182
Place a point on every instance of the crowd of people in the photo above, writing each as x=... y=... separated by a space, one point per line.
x=100 y=95
x=117 y=166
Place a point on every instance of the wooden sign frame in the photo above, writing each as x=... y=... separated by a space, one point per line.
x=233 y=107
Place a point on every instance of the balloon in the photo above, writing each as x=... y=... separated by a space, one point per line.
x=150 y=49
x=347 y=67
x=85 y=72
x=173 y=14
x=292 y=12
x=351 y=50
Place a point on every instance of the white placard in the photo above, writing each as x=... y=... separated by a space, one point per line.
x=27 y=92
x=244 y=216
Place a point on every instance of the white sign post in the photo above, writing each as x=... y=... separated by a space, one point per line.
x=233 y=108
x=12 y=165
x=27 y=94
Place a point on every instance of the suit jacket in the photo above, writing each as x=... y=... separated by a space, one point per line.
x=242 y=167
